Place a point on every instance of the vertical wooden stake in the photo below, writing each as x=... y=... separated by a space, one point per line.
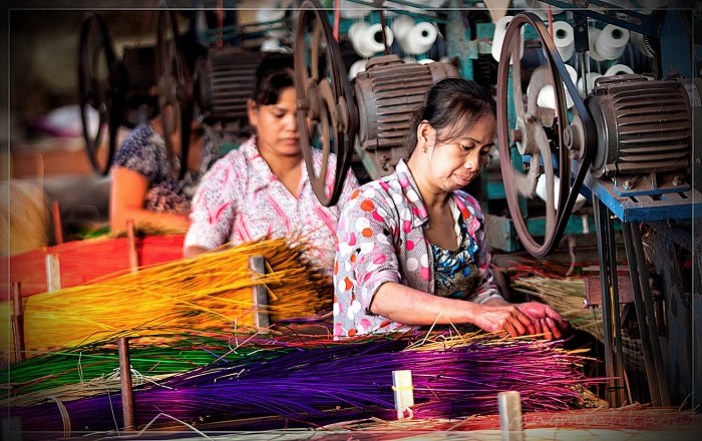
x=17 y=322
x=53 y=273
x=260 y=296
x=403 y=392
x=510 y=406
x=131 y=243
x=125 y=375
x=58 y=224
x=11 y=428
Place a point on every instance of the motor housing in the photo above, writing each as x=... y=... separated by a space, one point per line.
x=223 y=83
x=643 y=126
x=388 y=92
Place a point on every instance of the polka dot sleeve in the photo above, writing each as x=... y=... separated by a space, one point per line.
x=367 y=256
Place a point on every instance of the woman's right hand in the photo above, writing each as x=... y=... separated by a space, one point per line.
x=504 y=318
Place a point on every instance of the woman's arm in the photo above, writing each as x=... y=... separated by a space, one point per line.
x=213 y=209
x=193 y=251
x=413 y=307
x=127 y=193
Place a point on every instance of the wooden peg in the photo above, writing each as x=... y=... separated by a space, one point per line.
x=403 y=392
x=510 y=406
x=58 y=223
x=125 y=375
x=257 y=265
x=131 y=244
x=17 y=322
x=53 y=273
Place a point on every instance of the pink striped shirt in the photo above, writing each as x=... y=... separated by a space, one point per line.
x=240 y=200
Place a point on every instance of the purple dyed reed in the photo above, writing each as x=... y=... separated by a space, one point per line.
x=305 y=385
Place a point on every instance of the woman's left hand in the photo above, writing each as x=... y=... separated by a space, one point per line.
x=546 y=321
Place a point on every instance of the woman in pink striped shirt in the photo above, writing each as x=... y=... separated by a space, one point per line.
x=262 y=189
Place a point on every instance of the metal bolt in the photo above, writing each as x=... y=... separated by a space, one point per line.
x=677 y=180
x=568 y=137
x=626 y=184
x=517 y=135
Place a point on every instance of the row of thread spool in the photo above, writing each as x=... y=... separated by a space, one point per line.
x=610 y=51
x=613 y=50
x=410 y=38
x=413 y=39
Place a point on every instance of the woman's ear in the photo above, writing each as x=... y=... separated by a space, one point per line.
x=426 y=136
x=252 y=112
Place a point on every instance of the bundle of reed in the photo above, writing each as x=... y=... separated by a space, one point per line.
x=78 y=264
x=23 y=205
x=93 y=369
x=212 y=291
x=567 y=296
x=308 y=386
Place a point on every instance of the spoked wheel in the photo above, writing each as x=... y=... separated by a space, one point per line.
x=175 y=92
x=327 y=114
x=545 y=142
x=100 y=86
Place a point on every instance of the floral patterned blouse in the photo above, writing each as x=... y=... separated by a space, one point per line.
x=144 y=151
x=381 y=239
x=241 y=200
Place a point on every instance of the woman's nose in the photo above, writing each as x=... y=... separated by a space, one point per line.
x=473 y=161
x=290 y=121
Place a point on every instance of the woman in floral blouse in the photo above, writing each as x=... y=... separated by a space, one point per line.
x=411 y=245
x=262 y=189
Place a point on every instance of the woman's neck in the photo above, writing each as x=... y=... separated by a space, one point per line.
x=433 y=197
x=281 y=165
x=287 y=169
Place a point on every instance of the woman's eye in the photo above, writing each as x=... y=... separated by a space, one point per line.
x=466 y=148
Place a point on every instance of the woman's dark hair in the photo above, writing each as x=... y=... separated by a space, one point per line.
x=274 y=73
x=450 y=101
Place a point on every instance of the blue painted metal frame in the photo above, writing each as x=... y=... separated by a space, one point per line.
x=644 y=208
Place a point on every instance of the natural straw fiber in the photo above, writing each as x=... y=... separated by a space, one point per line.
x=210 y=291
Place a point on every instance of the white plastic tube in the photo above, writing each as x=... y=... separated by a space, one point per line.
x=541 y=192
x=367 y=40
x=420 y=38
x=266 y=15
x=618 y=69
x=547 y=98
x=591 y=77
x=611 y=42
x=271 y=45
x=593 y=33
x=499 y=36
x=401 y=26
x=349 y=9
x=356 y=67
x=563 y=37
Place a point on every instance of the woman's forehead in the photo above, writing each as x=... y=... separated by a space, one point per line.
x=467 y=127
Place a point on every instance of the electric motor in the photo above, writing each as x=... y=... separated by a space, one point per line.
x=388 y=92
x=643 y=126
x=223 y=83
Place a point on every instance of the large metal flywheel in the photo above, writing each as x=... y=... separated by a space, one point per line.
x=327 y=114
x=541 y=141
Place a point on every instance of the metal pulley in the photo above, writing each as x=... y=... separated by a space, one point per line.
x=370 y=118
x=540 y=141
